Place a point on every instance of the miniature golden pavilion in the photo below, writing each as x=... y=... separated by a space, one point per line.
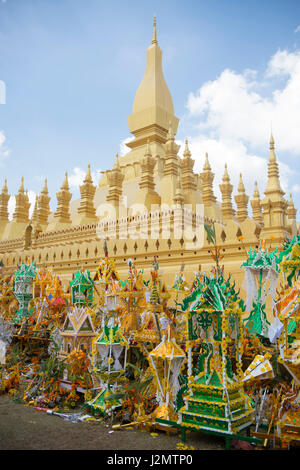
x=151 y=175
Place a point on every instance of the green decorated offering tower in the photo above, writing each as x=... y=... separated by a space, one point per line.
x=82 y=288
x=261 y=275
x=215 y=400
x=23 y=289
x=112 y=347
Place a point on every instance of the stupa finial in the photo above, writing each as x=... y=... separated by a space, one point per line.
x=154 y=35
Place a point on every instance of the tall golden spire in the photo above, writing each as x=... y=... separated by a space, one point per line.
x=21 y=213
x=21 y=188
x=153 y=107
x=226 y=190
x=86 y=208
x=178 y=198
x=207 y=178
x=65 y=185
x=43 y=205
x=256 y=206
x=291 y=210
x=274 y=205
x=241 y=200
x=206 y=166
x=188 y=180
x=171 y=168
x=273 y=186
x=4 y=198
x=62 y=214
x=115 y=179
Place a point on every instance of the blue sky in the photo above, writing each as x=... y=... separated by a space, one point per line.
x=71 y=69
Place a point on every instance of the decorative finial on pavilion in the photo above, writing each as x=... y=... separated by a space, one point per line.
x=154 y=37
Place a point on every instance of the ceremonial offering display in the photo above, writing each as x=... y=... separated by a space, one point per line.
x=261 y=274
x=82 y=288
x=111 y=345
x=132 y=300
x=156 y=317
x=167 y=360
x=78 y=331
x=216 y=400
x=124 y=354
x=23 y=289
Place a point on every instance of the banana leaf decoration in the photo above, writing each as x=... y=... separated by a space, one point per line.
x=210 y=233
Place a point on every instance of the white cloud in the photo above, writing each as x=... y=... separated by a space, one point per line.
x=232 y=118
x=4 y=151
x=31 y=197
x=123 y=147
x=76 y=178
x=297 y=30
x=233 y=107
x=296 y=188
x=11 y=206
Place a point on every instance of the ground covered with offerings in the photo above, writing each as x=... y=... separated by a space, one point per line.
x=110 y=363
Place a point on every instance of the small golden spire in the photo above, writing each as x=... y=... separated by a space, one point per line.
x=65 y=184
x=291 y=210
x=4 y=189
x=154 y=37
x=206 y=164
x=21 y=188
x=256 y=191
x=45 y=188
x=226 y=175
x=187 y=153
x=241 y=187
x=88 y=177
x=117 y=163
